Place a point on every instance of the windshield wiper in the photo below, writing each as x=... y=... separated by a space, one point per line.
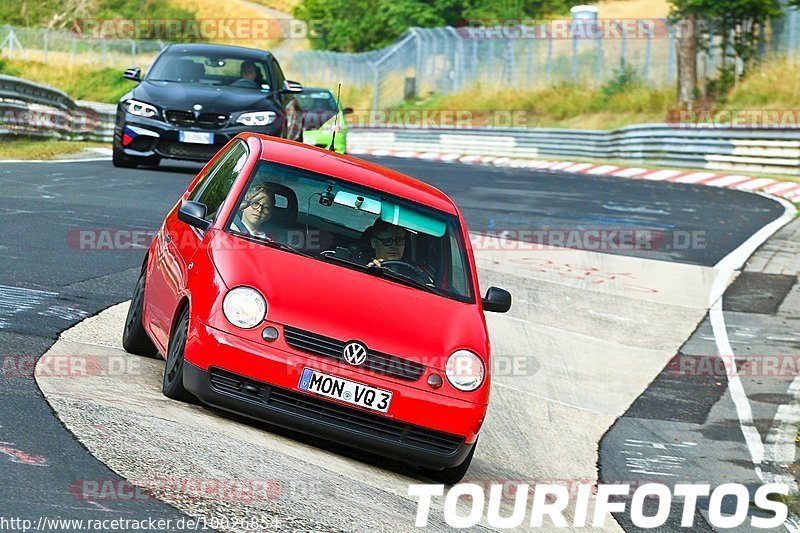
x=272 y=243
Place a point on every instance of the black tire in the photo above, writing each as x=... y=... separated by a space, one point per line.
x=451 y=476
x=134 y=338
x=120 y=160
x=172 y=385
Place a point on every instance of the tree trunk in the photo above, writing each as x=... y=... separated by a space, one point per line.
x=687 y=61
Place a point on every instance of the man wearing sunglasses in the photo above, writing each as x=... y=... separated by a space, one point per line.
x=387 y=241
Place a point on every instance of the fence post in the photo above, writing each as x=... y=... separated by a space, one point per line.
x=376 y=87
x=549 y=67
x=647 y=53
x=671 y=65
x=133 y=53
x=490 y=65
x=531 y=48
x=574 y=57
x=598 y=60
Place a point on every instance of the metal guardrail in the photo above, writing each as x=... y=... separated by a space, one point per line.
x=30 y=109
x=772 y=151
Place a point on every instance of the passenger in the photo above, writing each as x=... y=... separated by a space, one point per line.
x=255 y=211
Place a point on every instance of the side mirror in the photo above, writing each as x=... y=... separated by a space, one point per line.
x=134 y=74
x=194 y=214
x=292 y=87
x=347 y=110
x=497 y=300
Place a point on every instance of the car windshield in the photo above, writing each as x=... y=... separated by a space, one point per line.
x=318 y=106
x=211 y=69
x=349 y=226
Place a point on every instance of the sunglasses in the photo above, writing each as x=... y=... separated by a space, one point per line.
x=392 y=241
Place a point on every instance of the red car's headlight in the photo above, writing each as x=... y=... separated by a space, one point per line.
x=465 y=370
x=244 y=307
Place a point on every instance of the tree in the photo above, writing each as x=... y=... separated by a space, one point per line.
x=362 y=25
x=738 y=24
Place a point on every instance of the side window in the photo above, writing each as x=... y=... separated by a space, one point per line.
x=458 y=280
x=279 y=77
x=213 y=190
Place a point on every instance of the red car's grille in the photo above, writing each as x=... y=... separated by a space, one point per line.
x=382 y=363
x=333 y=413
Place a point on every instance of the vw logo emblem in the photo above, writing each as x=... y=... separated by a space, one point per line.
x=355 y=353
x=197 y=107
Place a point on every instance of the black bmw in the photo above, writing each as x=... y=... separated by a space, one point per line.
x=196 y=97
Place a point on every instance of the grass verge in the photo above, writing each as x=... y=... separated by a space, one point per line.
x=79 y=82
x=35 y=148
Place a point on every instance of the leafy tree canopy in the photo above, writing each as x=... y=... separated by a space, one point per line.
x=361 y=25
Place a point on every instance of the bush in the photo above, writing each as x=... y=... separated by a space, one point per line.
x=624 y=79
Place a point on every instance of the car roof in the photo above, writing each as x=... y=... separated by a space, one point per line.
x=203 y=48
x=351 y=169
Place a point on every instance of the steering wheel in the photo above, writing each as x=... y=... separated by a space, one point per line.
x=408 y=270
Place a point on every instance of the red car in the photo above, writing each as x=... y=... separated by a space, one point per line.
x=325 y=294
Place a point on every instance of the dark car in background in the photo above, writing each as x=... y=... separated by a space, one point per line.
x=196 y=97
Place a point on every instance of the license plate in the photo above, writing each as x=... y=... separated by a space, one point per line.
x=196 y=137
x=345 y=390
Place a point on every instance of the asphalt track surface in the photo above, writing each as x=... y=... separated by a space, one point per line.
x=48 y=284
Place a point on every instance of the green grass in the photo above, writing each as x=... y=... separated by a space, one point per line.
x=563 y=106
x=80 y=82
x=35 y=148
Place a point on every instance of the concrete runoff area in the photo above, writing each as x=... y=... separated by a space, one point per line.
x=592 y=338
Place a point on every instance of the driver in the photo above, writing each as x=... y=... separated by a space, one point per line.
x=248 y=73
x=388 y=242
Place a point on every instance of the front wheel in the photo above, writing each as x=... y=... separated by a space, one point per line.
x=134 y=338
x=172 y=385
x=120 y=160
x=451 y=476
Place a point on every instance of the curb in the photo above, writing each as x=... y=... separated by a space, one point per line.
x=785 y=189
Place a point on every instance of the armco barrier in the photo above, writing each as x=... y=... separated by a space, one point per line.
x=767 y=150
x=28 y=108
x=31 y=109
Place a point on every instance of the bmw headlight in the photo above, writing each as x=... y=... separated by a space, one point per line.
x=465 y=370
x=141 y=109
x=244 y=307
x=256 y=118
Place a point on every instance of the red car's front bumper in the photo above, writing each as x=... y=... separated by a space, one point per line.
x=261 y=381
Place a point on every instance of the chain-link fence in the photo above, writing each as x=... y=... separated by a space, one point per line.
x=448 y=60
x=445 y=60
x=70 y=49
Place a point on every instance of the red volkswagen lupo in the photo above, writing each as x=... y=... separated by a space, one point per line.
x=325 y=294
